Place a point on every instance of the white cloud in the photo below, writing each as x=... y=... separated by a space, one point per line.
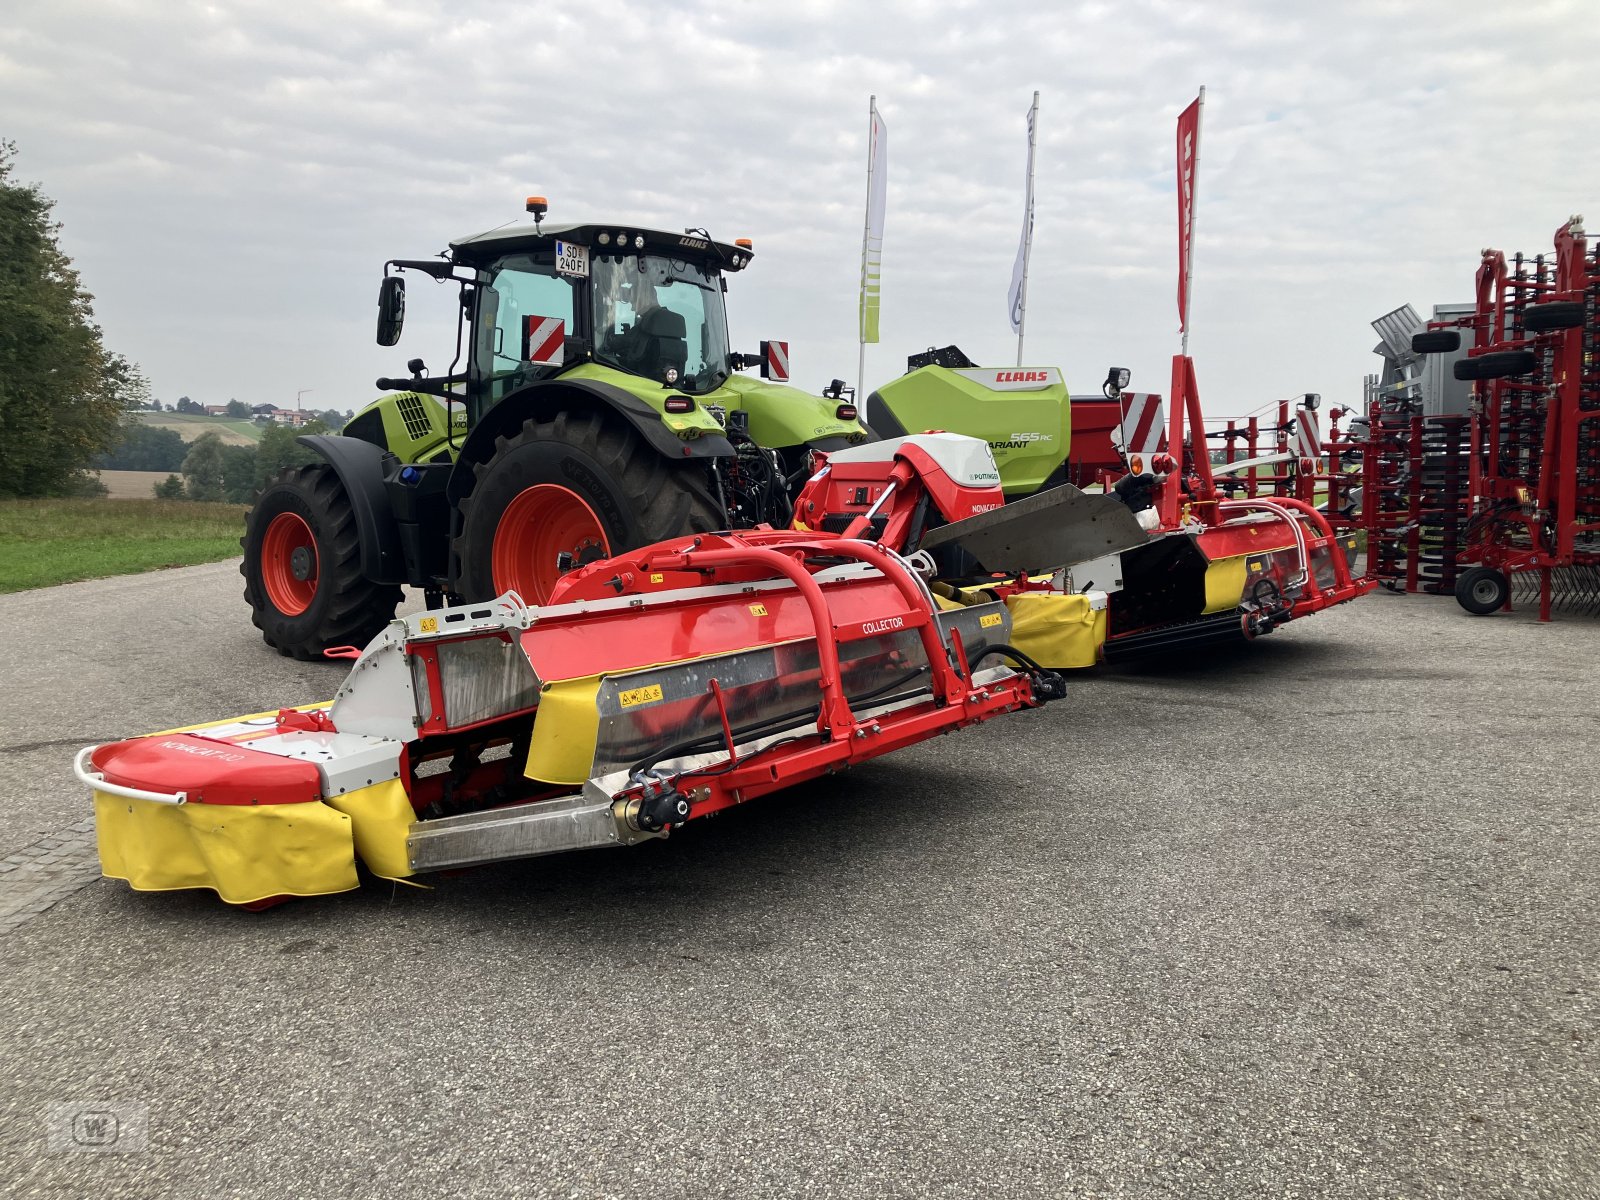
x=231 y=176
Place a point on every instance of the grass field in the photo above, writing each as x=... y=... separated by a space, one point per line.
x=44 y=542
x=235 y=431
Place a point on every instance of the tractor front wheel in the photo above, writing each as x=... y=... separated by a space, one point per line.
x=558 y=494
x=1482 y=590
x=302 y=567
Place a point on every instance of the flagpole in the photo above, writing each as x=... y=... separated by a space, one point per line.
x=866 y=233
x=1194 y=205
x=1027 y=233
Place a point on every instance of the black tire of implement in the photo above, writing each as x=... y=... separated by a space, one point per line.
x=348 y=609
x=1502 y=364
x=1435 y=341
x=1482 y=590
x=639 y=496
x=1558 y=314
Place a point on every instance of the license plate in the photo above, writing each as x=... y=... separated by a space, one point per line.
x=572 y=260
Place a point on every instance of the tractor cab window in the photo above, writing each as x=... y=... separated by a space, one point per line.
x=661 y=318
x=523 y=314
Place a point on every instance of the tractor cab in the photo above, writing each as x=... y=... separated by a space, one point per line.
x=536 y=304
x=642 y=302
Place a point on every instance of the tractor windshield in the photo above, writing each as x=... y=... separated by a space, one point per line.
x=662 y=318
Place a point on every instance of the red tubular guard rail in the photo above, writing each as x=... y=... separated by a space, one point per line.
x=956 y=702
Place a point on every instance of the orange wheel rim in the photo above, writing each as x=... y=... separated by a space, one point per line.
x=538 y=527
x=289 y=565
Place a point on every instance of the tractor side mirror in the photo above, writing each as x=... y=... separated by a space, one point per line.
x=391 y=309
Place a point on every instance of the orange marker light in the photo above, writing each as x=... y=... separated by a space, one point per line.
x=538 y=204
x=744 y=243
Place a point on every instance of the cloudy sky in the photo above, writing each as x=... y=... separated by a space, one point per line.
x=231 y=176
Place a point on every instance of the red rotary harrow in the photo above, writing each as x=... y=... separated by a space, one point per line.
x=1532 y=502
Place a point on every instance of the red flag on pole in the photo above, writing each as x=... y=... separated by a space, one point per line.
x=1188 y=153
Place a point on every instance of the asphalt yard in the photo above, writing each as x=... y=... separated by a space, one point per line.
x=1316 y=917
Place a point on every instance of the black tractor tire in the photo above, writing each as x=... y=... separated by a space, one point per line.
x=1501 y=364
x=1558 y=314
x=635 y=494
x=315 y=596
x=1436 y=341
x=1482 y=590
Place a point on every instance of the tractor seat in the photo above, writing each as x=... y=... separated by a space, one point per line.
x=662 y=342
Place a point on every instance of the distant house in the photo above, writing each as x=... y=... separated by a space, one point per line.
x=216 y=410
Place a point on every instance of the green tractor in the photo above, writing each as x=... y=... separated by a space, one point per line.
x=593 y=405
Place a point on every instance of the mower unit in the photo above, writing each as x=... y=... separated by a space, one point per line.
x=651 y=690
x=1179 y=561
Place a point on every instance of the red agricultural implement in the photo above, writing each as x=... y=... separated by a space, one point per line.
x=653 y=688
x=1214 y=555
x=1529 y=495
x=1295 y=562
x=1218 y=553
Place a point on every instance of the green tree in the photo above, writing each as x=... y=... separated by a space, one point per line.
x=238 y=408
x=202 y=469
x=278 y=449
x=170 y=488
x=186 y=405
x=145 y=448
x=238 y=474
x=127 y=383
x=61 y=394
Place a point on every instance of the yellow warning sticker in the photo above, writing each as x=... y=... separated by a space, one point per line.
x=1256 y=567
x=758 y=610
x=429 y=624
x=657 y=577
x=989 y=620
x=636 y=696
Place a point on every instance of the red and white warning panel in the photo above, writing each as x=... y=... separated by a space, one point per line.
x=1144 y=424
x=543 y=339
x=775 y=361
x=1307 y=433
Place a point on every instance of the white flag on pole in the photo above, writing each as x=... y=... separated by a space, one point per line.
x=872 y=238
x=1018 y=296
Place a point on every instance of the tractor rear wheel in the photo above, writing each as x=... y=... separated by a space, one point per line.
x=1482 y=590
x=558 y=494
x=302 y=567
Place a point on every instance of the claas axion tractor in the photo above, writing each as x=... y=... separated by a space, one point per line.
x=594 y=405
